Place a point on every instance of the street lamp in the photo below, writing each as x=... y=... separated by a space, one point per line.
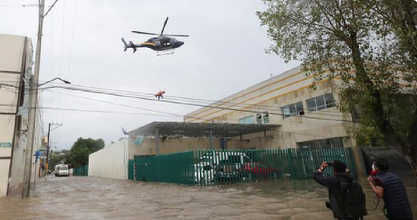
x=56 y=78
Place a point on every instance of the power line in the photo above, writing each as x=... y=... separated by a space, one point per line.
x=179 y=102
x=132 y=95
x=205 y=102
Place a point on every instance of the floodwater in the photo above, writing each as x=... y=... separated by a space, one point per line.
x=90 y=198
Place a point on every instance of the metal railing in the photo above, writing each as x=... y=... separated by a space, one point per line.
x=210 y=167
x=80 y=171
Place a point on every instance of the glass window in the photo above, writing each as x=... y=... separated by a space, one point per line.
x=311 y=105
x=323 y=143
x=266 y=117
x=295 y=109
x=320 y=102
x=329 y=99
x=299 y=108
x=337 y=143
x=259 y=118
x=286 y=111
x=247 y=120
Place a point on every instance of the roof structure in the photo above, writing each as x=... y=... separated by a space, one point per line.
x=184 y=129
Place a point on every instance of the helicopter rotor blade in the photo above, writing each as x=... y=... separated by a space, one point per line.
x=177 y=35
x=140 y=32
x=163 y=28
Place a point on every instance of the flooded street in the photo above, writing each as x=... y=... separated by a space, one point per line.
x=92 y=198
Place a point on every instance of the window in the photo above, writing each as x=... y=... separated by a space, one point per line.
x=266 y=117
x=247 y=120
x=321 y=102
x=323 y=143
x=295 y=109
x=259 y=118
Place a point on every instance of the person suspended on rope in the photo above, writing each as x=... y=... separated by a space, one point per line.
x=159 y=95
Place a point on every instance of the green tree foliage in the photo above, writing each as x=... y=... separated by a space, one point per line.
x=370 y=45
x=82 y=148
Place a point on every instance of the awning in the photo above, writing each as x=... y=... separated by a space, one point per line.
x=186 y=129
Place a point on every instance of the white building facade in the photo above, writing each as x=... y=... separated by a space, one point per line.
x=15 y=72
x=307 y=117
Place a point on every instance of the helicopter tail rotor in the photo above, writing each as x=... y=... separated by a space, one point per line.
x=130 y=45
x=124 y=42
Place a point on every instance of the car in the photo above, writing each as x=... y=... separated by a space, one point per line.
x=61 y=170
x=258 y=170
x=228 y=169
x=204 y=173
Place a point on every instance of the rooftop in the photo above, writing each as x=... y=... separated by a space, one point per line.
x=186 y=129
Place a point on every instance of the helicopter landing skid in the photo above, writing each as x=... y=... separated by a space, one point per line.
x=170 y=52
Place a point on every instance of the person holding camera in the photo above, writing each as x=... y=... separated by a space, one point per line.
x=347 y=200
x=389 y=187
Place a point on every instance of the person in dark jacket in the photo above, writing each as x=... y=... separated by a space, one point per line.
x=341 y=173
x=389 y=187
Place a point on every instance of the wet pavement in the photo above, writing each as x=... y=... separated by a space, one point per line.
x=91 y=198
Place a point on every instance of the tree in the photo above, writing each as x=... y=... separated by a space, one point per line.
x=82 y=148
x=334 y=38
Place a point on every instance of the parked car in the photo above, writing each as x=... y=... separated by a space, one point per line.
x=228 y=168
x=204 y=173
x=258 y=170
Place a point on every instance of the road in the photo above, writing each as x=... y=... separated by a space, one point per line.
x=91 y=198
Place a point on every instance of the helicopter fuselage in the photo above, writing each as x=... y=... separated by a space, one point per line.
x=161 y=43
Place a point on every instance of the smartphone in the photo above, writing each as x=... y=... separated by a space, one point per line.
x=330 y=164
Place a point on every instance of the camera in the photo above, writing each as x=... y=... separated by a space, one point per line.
x=330 y=164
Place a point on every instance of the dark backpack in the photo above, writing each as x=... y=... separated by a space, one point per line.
x=353 y=200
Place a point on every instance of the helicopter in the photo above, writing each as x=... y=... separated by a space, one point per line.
x=163 y=42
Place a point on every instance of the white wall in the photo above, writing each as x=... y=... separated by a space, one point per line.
x=12 y=56
x=110 y=162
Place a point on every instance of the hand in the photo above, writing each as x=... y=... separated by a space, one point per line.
x=370 y=180
x=324 y=165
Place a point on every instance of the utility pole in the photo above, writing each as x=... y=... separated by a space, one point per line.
x=33 y=101
x=48 y=146
x=47 y=151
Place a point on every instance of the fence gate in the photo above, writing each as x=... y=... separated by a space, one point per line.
x=209 y=167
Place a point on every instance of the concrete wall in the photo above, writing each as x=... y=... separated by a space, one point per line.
x=110 y=162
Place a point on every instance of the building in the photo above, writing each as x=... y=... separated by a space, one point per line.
x=307 y=117
x=281 y=112
x=15 y=72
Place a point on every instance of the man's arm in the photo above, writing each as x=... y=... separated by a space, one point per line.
x=318 y=176
x=378 y=190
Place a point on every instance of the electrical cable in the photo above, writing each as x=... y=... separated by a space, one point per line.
x=178 y=102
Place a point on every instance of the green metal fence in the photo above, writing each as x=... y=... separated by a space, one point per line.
x=80 y=171
x=131 y=170
x=208 y=167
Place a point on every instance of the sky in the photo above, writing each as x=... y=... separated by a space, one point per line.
x=224 y=54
